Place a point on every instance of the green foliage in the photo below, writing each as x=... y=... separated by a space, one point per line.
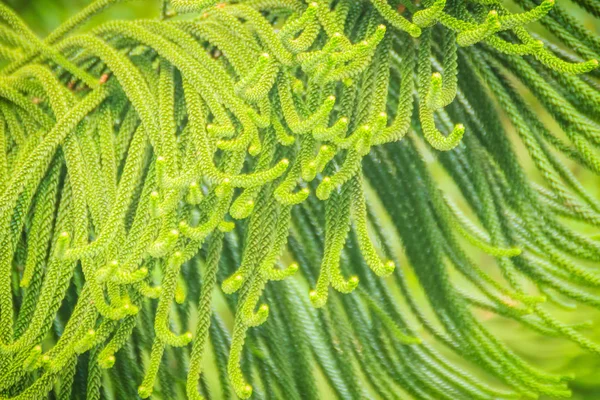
x=147 y=163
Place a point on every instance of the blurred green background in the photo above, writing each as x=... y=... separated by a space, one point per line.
x=552 y=354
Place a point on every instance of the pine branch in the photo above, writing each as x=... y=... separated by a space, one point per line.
x=146 y=164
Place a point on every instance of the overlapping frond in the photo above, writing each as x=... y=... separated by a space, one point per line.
x=240 y=134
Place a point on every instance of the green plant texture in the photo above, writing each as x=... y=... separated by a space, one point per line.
x=290 y=199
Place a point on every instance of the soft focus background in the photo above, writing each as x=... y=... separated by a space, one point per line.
x=552 y=354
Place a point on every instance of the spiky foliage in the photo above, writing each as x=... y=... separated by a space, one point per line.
x=145 y=163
